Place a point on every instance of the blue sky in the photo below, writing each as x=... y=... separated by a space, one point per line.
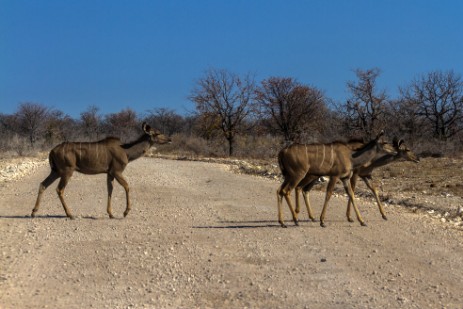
x=148 y=54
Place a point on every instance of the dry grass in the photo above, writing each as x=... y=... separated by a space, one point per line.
x=432 y=176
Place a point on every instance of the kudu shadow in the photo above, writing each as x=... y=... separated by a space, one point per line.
x=36 y=217
x=254 y=224
x=259 y=224
x=236 y=226
x=42 y=217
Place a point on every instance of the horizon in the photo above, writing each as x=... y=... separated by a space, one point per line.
x=146 y=55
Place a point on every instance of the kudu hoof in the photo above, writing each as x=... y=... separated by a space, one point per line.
x=322 y=224
x=126 y=213
x=363 y=224
x=71 y=217
x=350 y=220
x=283 y=225
x=384 y=218
x=33 y=214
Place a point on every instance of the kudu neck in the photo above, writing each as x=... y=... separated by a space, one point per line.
x=384 y=159
x=138 y=148
x=365 y=154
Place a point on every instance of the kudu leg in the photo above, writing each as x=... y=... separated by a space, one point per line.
x=305 y=186
x=109 y=181
x=373 y=189
x=290 y=205
x=121 y=180
x=298 y=204
x=306 y=201
x=350 y=193
x=285 y=191
x=60 y=190
x=305 y=194
x=329 y=192
x=280 y=211
x=353 y=184
x=42 y=187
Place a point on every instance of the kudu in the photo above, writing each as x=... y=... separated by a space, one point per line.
x=299 y=162
x=403 y=153
x=108 y=156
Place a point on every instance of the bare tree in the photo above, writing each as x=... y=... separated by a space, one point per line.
x=207 y=125
x=228 y=96
x=58 y=127
x=367 y=105
x=91 y=122
x=404 y=121
x=31 y=118
x=438 y=98
x=123 y=124
x=9 y=134
x=166 y=120
x=290 y=108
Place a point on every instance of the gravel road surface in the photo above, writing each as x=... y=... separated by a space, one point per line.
x=201 y=236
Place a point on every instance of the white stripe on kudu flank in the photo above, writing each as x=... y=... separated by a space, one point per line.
x=323 y=157
x=332 y=156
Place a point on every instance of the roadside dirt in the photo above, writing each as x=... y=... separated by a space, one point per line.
x=202 y=236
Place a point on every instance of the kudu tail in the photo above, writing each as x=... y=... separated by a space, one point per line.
x=51 y=160
x=281 y=163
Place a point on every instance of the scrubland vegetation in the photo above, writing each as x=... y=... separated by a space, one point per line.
x=238 y=116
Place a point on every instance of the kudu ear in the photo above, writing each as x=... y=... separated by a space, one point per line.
x=146 y=128
x=380 y=134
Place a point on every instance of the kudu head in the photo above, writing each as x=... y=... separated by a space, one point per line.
x=404 y=152
x=376 y=148
x=384 y=147
x=156 y=137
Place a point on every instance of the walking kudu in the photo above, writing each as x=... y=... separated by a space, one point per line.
x=108 y=156
x=403 y=153
x=336 y=159
x=363 y=171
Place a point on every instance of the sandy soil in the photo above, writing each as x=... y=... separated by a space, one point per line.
x=201 y=236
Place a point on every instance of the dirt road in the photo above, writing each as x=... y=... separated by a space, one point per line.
x=200 y=236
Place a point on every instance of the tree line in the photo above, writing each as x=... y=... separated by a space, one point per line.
x=237 y=116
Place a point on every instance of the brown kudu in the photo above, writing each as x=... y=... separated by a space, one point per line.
x=403 y=153
x=298 y=163
x=108 y=156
